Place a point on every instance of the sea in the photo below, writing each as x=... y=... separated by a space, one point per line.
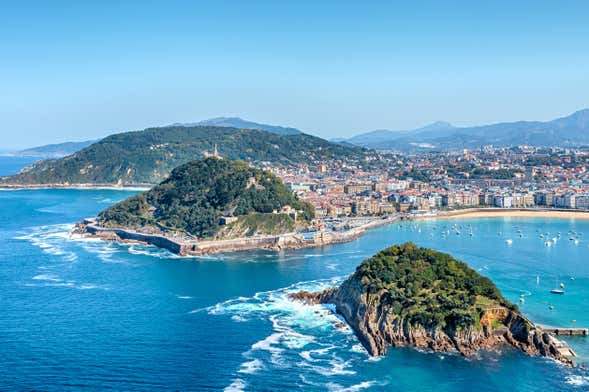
x=81 y=314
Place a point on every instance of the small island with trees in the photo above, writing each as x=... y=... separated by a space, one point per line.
x=406 y=295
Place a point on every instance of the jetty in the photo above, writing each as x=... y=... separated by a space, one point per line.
x=565 y=331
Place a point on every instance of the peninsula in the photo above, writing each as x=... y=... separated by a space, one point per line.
x=215 y=205
x=410 y=296
x=145 y=158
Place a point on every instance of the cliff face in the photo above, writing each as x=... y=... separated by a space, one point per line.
x=379 y=322
x=378 y=327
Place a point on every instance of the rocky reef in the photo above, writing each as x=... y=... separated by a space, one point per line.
x=411 y=296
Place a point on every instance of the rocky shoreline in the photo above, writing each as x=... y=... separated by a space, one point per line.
x=378 y=328
x=193 y=247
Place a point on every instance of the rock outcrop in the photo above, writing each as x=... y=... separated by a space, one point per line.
x=379 y=323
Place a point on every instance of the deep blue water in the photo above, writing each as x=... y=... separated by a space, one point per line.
x=11 y=165
x=80 y=314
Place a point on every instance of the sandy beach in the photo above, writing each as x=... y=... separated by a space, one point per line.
x=512 y=213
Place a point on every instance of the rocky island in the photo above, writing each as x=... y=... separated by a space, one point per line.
x=406 y=295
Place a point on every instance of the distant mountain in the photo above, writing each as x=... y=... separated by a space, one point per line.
x=571 y=130
x=236 y=122
x=384 y=135
x=148 y=156
x=54 y=150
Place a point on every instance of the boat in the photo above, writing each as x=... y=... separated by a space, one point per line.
x=548 y=243
x=557 y=291
x=508 y=242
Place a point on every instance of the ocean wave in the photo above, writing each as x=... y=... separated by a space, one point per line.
x=577 y=380
x=47 y=277
x=50 y=239
x=303 y=336
x=354 y=388
x=237 y=385
x=251 y=367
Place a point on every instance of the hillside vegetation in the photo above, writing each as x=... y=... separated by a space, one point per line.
x=148 y=157
x=197 y=194
x=429 y=288
x=410 y=296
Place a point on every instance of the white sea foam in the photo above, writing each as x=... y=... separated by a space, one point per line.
x=577 y=380
x=50 y=239
x=354 y=388
x=358 y=348
x=307 y=332
x=237 y=385
x=251 y=367
x=47 y=277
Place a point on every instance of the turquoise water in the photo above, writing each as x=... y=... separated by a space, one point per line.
x=81 y=314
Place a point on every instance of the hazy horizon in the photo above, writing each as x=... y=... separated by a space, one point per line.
x=84 y=71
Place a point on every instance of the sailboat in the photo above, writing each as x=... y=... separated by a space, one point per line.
x=558 y=290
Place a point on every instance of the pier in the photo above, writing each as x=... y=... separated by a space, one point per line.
x=565 y=331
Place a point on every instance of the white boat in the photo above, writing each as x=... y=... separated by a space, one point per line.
x=548 y=243
x=557 y=291
x=509 y=242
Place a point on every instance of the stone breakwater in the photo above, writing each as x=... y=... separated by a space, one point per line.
x=193 y=247
x=378 y=327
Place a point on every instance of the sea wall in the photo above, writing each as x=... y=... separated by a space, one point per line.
x=131 y=236
x=183 y=246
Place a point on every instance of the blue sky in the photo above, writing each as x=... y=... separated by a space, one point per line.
x=78 y=70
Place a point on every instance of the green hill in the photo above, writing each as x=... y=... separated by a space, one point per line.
x=405 y=295
x=429 y=288
x=147 y=157
x=198 y=194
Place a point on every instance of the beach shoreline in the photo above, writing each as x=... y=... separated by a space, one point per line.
x=475 y=213
x=184 y=247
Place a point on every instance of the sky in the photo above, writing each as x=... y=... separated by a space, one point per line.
x=78 y=70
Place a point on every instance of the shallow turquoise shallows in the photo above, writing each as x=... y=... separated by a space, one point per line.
x=80 y=314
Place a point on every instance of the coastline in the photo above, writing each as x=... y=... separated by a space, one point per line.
x=192 y=247
x=508 y=213
x=137 y=187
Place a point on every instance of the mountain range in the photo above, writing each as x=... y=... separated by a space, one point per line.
x=148 y=156
x=572 y=130
x=236 y=122
x=57 y=150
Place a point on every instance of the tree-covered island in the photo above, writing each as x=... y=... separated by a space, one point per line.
x=406 y=295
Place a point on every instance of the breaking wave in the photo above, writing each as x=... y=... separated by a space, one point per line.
x=308 y=338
